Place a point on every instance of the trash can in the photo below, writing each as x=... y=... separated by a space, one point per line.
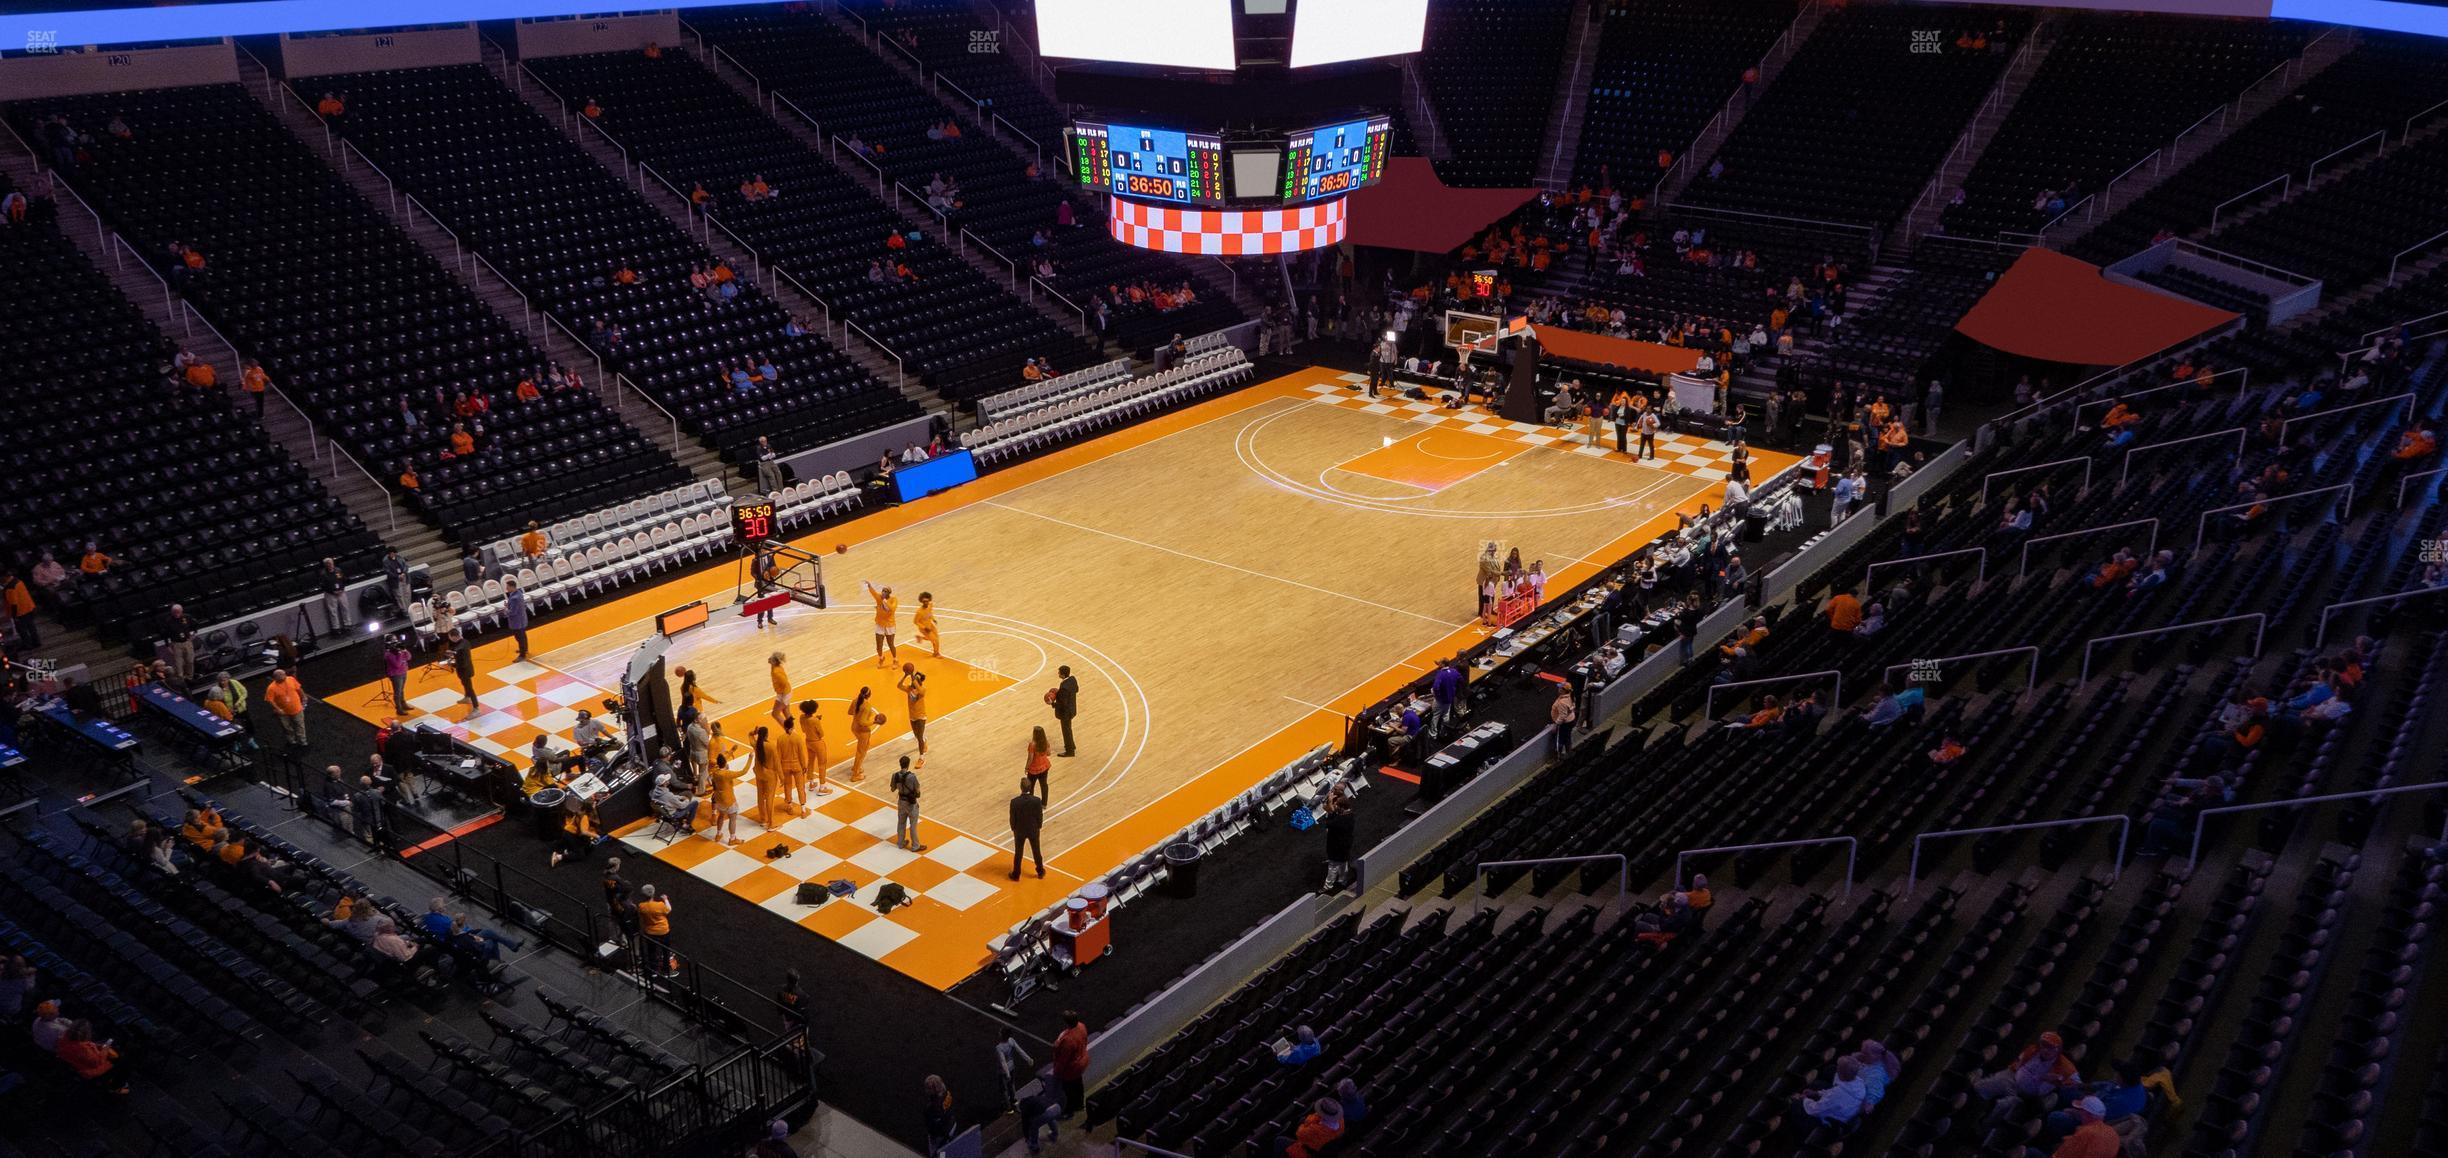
x=1181 y=869
x=545 y=809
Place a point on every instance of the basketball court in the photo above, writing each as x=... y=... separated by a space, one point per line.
x=1227 y=582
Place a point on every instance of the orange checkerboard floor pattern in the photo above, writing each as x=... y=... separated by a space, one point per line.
x=964 y=898
x=1676 y=453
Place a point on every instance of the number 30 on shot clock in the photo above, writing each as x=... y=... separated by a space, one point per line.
x=752 y=521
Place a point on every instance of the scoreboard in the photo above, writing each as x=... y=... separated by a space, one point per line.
x=1335 y=159
x=1150 y=164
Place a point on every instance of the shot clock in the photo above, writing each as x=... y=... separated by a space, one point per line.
x=752 y=521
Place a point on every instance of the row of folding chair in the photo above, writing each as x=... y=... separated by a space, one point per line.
x=816 y=498
x=596 y=528
x=992 y=444
x=1001 y=404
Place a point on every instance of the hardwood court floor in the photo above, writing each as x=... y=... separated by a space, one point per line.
x=1226 y=581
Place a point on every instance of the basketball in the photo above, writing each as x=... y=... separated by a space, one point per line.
x=841 y=548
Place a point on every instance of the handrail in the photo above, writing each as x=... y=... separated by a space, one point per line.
x=2369 y=337
x=1867 y=230
x=2031 y=675
x=1912 y=880
x=1709 y=702
x=2085 y=460
x=120 y=242
x=600 y=131
x=2402 y=483
x=2401 y=254
x=917 y=65
x=721 y=54
x=813 y=126
x=868 y=161
x=1872 y=569
x=2126 y=471
x=458 y=251
x=2287 y=179
x=972 y=238
x=1035 y=281
x=292 y=94
x=2201 y=821
x=1623 y=871
x=390 y=186
x=558 y=99
x=623 y=379
x=2409 y=123
x=2260 y=267
x=898 y=366
x=2218 y=114
x=2377 y=134
x=2259 y=633
x=2321 y=637
x=944 y=82
x=1724 y=110
x=526 y=306
x=756 y=261
x=2152 y=547
x=575 y=340
x=810 y=295
x=2079 y=407
x=1006 y=123
x=2408 y=398
x=686 y=205
x=901 y=187
x=2201 y=530
x=1852 y=854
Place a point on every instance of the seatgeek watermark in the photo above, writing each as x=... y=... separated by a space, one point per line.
x=985 y=42
x=42 y=41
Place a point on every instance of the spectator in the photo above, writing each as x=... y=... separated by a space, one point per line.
x=2092 y=1137
x=1319 y=1130
x=17 y=981
x=92 y=1060
x=2041 y=1070
x=935 y=1111
x=1878 y=1068
x=1561 y=713
x=1071 y=1062
x=1842 y=1101
x=388 y=942
x=1302 y=1049
x=287 y=698
x=654 y=913
x=49 y=1027
x=1015 y=1065
x=1355 y=1108
x=776 y=1143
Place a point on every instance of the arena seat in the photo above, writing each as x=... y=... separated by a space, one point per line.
x=357 y=324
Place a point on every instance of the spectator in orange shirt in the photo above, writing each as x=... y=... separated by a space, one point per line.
x=462 y=443
x=89 y=1058
x=592 y=110
x=893 y=240
x=251 y=376
x=331 y=105
x=408 y=479
x=698 y=194
x=287 y=699
x=94 y=562
x=527 y=391
x=201 y=375
x=534 y=542
x=1319 y=1130
x=2419 y=442
x=624 y=275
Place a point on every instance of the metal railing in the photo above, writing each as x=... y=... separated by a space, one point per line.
x=813 y=124
x=2260 y=632
x=899 y=367
x=2409 y=121
x=756 y=261
x=391 y=191
x=943 y=82
x=2125 y=471
x=2085 y=460
x=1623 y=871
x=2408 y=251
x=458 y=251
x=2031 y=675
x=2408 y=480
x=1912 y=879
x=574 y=340
x=633 y=388
x=2243 y=381
x=608 y=139
x=2312 y=171
x=1057 y=295
x=2201 y=530
x=2201 y=823
x=1869 y=233
x=2320 y=637
x=972 y=238
x=2150 y=548
x=1708 y=708
x=526 y=306
x=839 y=142
x=1869 y=583
x=916 y=65
x=1725 y=112
x=1852 y=854
x=811 y=295
x=120 y=244
x=755 y=82
x=558 y=99
x=2286 y=181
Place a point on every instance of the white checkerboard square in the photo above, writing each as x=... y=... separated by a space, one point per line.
x=518 y=672
x=878 y=824
x=571 y=695
x=725 y=867
x=434 y=701
x=882 y=859
x=487 y=723
x=878 y=937
x=505 y=697
x=961 y=853
x=809 y=863
x=557 y=720
x=810 y=828
x=960 y=892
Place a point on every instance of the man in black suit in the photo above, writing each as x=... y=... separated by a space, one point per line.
x=1027 y=820
x=1066 y=705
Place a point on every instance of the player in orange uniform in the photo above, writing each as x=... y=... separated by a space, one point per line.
x=888 y=613
x=924 y=620
x=781 y=687
x=811 y=734
x=726 y=789
x=790 y=761
x=863 y=722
